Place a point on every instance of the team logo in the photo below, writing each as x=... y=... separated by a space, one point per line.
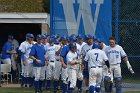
x=85 y=13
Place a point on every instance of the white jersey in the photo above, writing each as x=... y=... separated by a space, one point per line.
x=25 y=48
x=80 y=48
x=114 y=54
x=57 y=47
x=95 y=57
x=86 y=48
x=50 y=52
x=45 y=45
x=71 y=57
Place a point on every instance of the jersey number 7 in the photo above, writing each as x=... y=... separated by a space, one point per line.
x=97 y=54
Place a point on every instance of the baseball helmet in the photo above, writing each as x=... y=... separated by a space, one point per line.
x=72 y=45
x=96 y=45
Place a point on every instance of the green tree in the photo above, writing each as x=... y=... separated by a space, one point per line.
x=46 y=5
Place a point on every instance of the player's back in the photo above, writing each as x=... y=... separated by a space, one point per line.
x=96 y=57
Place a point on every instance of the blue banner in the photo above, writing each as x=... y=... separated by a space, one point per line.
x=82 y=17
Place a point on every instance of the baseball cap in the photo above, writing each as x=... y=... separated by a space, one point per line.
x=39 y=36
x=10 y=36
x=44 y=37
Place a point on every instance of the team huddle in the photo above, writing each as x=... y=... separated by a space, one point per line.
x=52 y=59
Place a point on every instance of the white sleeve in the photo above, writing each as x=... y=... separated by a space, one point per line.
x=22 y=47
x=104 y=56
x=122 y=52
x=69 y=58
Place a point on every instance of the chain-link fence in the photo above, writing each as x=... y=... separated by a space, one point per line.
x=126 y=29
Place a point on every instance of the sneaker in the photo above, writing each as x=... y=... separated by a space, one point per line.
x=86 y=91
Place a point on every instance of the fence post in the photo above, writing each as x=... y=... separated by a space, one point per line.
x=0 y=71
x=51 y=16
x=117 y=21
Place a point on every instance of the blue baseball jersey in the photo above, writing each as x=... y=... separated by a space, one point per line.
x=38 y=51
x=7 y=46
x=64 y=53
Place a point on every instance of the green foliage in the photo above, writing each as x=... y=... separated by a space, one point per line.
x=46 y=5
x=29 y=6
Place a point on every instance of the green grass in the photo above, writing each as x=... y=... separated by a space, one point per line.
x=35 y=6
x=27 y=90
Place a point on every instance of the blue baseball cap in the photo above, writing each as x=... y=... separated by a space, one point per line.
x=100 y=40
x=88 y=36
x=80 y=36
x=73 y=37
x=96 y=45
x=31 y=36
x=10 y=36
x=39 y=36
x=51 y=40
x=64 y=38
x=44 y=37
x=56 y=41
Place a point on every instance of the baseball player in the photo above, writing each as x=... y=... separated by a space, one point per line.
x=27 y=63
x=15 y=46
x=95 y=59
x=58 y=65
x=50 y=56
x=72 y=66
x=80 y=70
x=64 y=75
x=85 y=49
x=7 y=50
x=22 y=50
x=115 y=53
x=45 y=41
x=38 y=55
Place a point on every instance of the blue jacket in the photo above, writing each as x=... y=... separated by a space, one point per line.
x=38 y=51
x=7 y=46
x=64 y=52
